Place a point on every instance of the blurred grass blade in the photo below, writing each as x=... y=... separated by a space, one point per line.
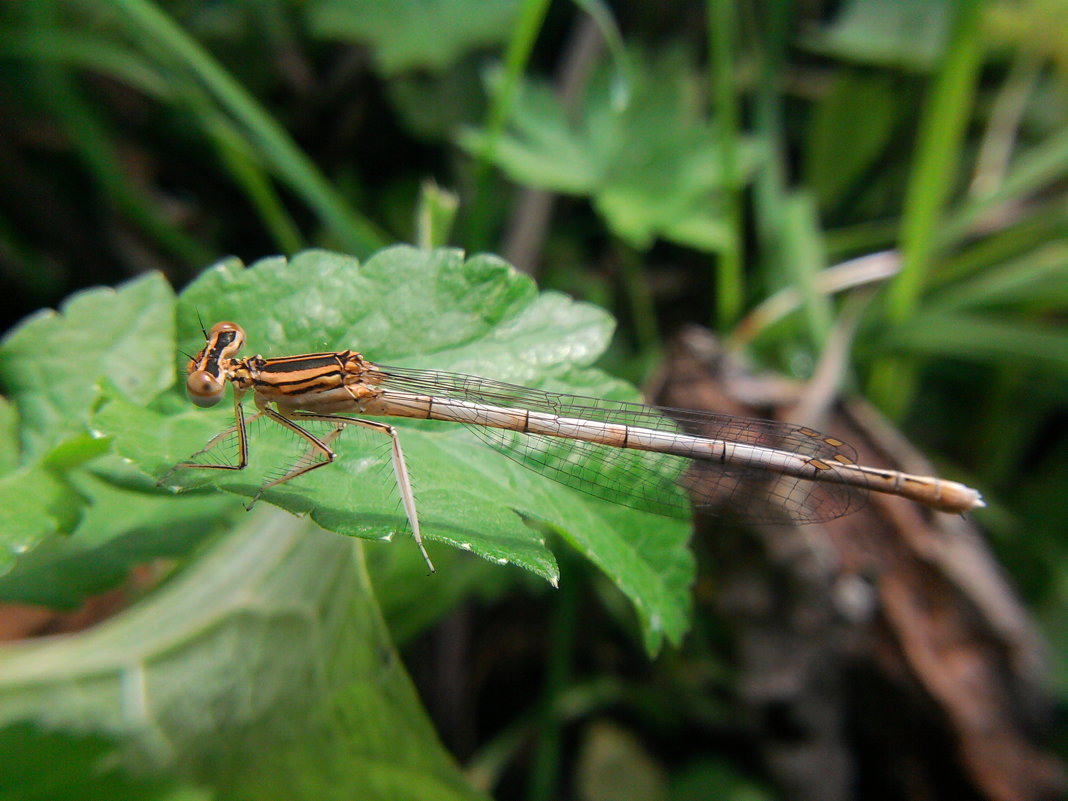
x=524 y=34
x=1037 y=168
x=87 y=132
x=986 y=338
x=1038 y=280
x=622 y=80
x=804 y=258
x=82 y=51
x=245 y=168
x=936 y=166
x=937 y=158
x=150 y=25
x=730 y=282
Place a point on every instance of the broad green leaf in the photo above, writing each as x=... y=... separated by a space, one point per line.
x=909 y=34
x=406 y=36
x=121 y=527
x=430 y=309
x=38 y=765
x=544 y=149
x=52 y=364
x=9 y=436
x=263 y=671
x=650 y=167
x=35 y=507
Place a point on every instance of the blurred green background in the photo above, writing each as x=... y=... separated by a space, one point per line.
x=673 y=162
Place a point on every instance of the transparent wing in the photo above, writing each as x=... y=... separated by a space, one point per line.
x=656 y=482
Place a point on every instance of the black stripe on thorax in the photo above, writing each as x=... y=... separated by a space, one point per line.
x=309 y=361
x=318 y=380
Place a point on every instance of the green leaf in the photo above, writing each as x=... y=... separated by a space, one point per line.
x=263 y=671
x=429 y=309
x=543 y=148
x=406 y=36
x=651 y=167
x=9 y=436
x=37 y=765
x=910 y=34
x=121 y=527
x=851 y=125
x=35 y=507
x=52 y=364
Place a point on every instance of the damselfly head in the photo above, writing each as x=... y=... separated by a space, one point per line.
x=205 y=383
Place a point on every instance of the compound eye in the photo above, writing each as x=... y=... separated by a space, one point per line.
x=218 y=328
x=203 y=388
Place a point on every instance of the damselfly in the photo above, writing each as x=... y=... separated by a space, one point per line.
x=646 y=457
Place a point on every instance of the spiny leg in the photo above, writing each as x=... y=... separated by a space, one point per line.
x=240 y=426
x=400 y=467
x=317 y=445
x=305 y=463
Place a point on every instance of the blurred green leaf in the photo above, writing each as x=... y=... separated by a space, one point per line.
x=9 y=436
x=47 y=766
x=433 y=106
x=430 y=309
x=120 y=528
x=543 y=148
x=35 y=505
x=850 y=127
x=614 y=765
x=406 y=36
x=52 y=364
x=716 y=778
x=1032 y=26
x=650 y=167
x=263 y=671
x=209 y=90
x=908 y=34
